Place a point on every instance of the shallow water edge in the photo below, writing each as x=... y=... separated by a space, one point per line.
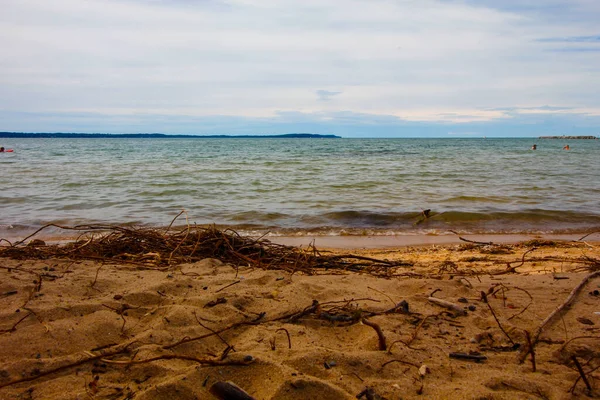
x=56 y=234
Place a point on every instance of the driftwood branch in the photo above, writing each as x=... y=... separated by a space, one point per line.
x=473 y=241
x=380 y=336
x=512 y=269
x=581 y=373
x=446 y=304
x=559 y=309
x=203 y=361
x=499 y=324
x=31 y=377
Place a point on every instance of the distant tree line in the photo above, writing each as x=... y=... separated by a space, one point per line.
x=155 y=135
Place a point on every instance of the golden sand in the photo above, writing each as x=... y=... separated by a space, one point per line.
x=95 y=330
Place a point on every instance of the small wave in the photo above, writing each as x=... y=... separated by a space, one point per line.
x=352 y=218
x=71 y=185
x=534 y=220
x=359 y=185
x=257 y=216
x=532 y=215
x=14 y=200
x=478 y=199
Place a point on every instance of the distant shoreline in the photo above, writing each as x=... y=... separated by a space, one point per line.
x=61 y=135
x=78 y=135
x=569 y=137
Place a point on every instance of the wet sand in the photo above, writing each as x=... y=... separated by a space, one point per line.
x=374 y=242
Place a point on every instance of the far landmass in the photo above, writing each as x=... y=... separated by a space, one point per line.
x=160 y=135
x=568 y=137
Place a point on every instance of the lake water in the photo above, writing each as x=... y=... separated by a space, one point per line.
x=304 y=186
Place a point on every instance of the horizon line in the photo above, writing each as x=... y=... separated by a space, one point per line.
x=298 y=135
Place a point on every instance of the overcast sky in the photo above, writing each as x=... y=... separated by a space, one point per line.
x=356 y=68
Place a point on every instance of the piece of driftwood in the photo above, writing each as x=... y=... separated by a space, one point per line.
x=530 y=350
x=558 y=310
x=229 y=391
x=469 y=357
x=581 y=373
x=31 y=376
x=272 y=341
x=499 y=324
x=380 y=335
x=446 y=304
x=473 y=241
x=510 y=269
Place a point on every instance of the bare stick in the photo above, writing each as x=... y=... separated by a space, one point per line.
x=577 y=338
x=380 y=336
x=90 y=240
x=401 y=362
x=173 y=221
x=14 y=327
x=96 y=278
x=213 y=331
x=467 y=356
x=446 y=304
x=288 y=336
x=500 y=325
x=585 y=380
x=531 y=350
x=414 y=335
x=187 y=233
x=120 y=349
x=559 y=309
x=124 y=322
x=188 y=339
x=379 y=291
x=204 y=361
x=225 y=287
x=583 y=237
x=526 y=307
x=512 y=269
x=472 y=241
x=9 y=293
x=38 y=231
x=404 y=343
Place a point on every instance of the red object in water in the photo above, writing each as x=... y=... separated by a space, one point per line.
x=8 y=150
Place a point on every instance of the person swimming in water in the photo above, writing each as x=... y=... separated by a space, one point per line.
x=1 y=149
x=566 y=147
x=534 y=147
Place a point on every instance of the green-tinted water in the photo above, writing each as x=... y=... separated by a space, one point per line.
x=302 y=185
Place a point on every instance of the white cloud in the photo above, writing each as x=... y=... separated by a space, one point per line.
x=592 y=112
x=425 y=60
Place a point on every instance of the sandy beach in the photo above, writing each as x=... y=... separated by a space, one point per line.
x=299 y=200
x=83 y=328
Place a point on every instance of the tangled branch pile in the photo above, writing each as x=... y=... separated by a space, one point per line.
x=168 y=248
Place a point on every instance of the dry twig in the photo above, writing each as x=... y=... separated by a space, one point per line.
x=559 y=309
